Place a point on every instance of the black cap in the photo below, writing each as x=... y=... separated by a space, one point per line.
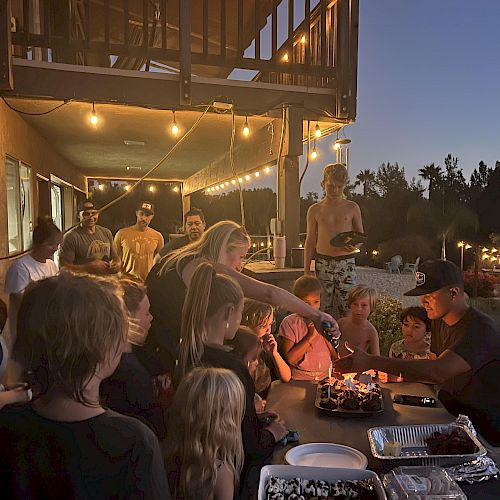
x=87 y=205
x=147 y=207
x=435 y=274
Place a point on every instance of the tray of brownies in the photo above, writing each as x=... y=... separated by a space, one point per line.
x=350 y=396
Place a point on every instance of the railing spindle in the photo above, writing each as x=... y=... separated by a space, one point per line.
x=323 y=32
x=256 y=30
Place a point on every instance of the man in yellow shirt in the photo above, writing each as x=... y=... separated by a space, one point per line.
x=137 y=245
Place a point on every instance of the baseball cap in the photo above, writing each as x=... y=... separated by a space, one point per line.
x=435 y=274
x=147 y=207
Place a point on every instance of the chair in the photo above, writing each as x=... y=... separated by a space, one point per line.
x=411 y=267
x=392 y=267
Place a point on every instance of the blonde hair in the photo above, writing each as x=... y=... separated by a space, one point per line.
x=220 y=237
x=305 y=285
x=336 y=170
x=68 y=325
x=362 y=291
x=255 y=313
x=205 y=430
x=208 y=291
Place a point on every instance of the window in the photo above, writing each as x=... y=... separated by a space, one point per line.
x=56 y=204
x=19 y=205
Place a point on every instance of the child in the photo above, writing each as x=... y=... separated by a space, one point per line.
x=130 y=389
x=416 y=328
x=307 y=352
x=270 y=365
x=204 y=450
x=72 y=330
x=211 y=315
x=356 y=328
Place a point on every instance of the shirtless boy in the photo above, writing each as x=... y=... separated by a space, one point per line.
x=335 y=266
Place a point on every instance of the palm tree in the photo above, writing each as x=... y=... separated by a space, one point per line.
x=366 y=178
x=432 y=174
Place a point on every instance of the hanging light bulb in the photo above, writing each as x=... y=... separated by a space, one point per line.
x=152 y=189
x=233 y=182
x=246 y=128
x=226 y=183
x=336 y=146
x=317 y=132
x=285 y=57
x=314 y=153
x=127 y=187
x=240 y=180
x=93 y=116
x=257 y=174
x=175 y=189
x=303 y=39
x=174 y=128
x=217 y=188
x=247 y=177
x=267 y=170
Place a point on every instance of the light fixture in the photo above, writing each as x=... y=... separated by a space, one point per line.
x=207 y=191
x=246 y=128
x=101 y=187
x=261 y=243
x=336 y=146
x=222 y=186
x=247 y=177
x=494 y=250
x=267 y=170
x=300 y=245
x=93 y=116
x=174 y=128
x=484 y=249
x=492 y=258
x=254 y=245
x=175 y=189
x=217 y=188
x=460 y=244
x=485 y=256
x=317 y=132
x=303 y=39
x=226 y=183
x=285 y=57
x=127 y=187
x=257 y=174
x=314 y=153
x=374 y=252
x=152 y=189
x=467 y=246
x=233 y=182
x=240 y=180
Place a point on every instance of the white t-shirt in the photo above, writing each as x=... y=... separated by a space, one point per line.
x=25 y=270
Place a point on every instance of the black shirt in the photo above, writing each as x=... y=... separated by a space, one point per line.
x=174 y=244
x=476 y=339
x=107 y=456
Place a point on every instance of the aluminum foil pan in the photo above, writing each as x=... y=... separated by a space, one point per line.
x=480 y=469
x=413 y=436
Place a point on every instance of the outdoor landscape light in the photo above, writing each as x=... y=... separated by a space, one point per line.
x=174 y=128
x=460 y=244
x=317 y=132
x=93 y=116
x=246 y=128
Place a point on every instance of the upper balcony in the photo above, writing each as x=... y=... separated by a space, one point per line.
x=305 y=48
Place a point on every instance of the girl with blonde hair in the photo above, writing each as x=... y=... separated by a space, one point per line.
x=224 y=245
x=204 y=449
x=211 y=315
x=71 y=334
x=270 y=366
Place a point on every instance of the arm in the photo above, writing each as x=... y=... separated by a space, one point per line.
x=271 y=347
x=115 y=263
x=311 y=237
x=436 y=371
x=224 y=484
x=160 y=245
x=118 y=244
x=294 y=352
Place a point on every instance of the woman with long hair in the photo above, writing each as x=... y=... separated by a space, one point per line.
x=204 y=449
x=223 y=245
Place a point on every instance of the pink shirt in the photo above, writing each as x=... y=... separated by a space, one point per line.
x=316 y=361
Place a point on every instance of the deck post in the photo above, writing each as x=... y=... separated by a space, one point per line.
x=186 y=204
x=6 y=79
x=288 y=186
x=185 y=52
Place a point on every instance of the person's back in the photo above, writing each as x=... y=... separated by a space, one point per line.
x=107 y=456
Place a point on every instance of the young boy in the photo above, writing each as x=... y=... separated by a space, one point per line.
x=307 y=352
x=356 y=328
x=416 y=341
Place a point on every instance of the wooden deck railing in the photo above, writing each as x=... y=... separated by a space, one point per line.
x=203 y=37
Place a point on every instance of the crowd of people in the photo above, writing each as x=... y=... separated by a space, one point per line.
x=143 y=372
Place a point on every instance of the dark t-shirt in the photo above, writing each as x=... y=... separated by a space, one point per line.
x=476 y=339
x=175 y=244
x=88 y=247
x=107 y=456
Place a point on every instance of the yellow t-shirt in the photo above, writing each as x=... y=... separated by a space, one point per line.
x=137 y=249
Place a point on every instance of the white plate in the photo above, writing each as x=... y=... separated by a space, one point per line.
x=326 y=455
x=318 y=473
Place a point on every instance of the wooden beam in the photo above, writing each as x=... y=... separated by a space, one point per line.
x=6 y=75
x=253 y=154
x=185 y=52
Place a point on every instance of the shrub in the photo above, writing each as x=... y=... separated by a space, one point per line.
x=385 y=318
x=485 y=283
x=409 y=247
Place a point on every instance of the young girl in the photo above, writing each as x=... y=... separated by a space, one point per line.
x=356 y=328
x=72 y=330
x=204 y=450
x=307 y=352
x=130 y=389
x=211 y=315
x=270 y=365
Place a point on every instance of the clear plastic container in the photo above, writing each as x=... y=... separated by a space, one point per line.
x=419 y=483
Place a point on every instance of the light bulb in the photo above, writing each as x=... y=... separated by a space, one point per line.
x=175 y=189
x=303 y=39
x=285 y=57
x=460 y=244
x=101 y=187
x=93 y=116
x=246 y=128
x=336 y=146
x=262 y=244
x=152 y=189
x=257 y=174
x=127 y=187
x=174 y=128
x=314 y=154
x=267 y=170
x=240 y=180
x=467 y=246
x=233 y=182
x=247 y=177
x=217 y=188
x=317 y=132
x=226 y=183
x=222 y=186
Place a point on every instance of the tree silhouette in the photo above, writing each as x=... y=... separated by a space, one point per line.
x=432 y=174
x=366 y=178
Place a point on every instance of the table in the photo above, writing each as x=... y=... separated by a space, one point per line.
x=295 y=404
x=267 y=272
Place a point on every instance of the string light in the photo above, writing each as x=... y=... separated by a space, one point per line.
x=257 y=174
x=240 y=180
x=267 y=170
x=175 y=189
x=174 y=128
x=217 y=188
x=226 y=183
x=314 y=153
x=247 y=177
x=233 y=182
x=101 y=187
x=285 y=57
x=246 y=128
x=152 y=189
x=93 y=116
x=127 y=187
x=317 y=132
x=303 y=39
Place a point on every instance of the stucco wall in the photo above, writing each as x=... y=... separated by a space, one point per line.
x=20 y=141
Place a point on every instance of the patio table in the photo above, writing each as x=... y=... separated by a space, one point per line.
x=295 y=404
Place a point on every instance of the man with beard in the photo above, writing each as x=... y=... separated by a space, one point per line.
x=194 y=227
x=89 y=247
x=137 y=245
x=466 y=341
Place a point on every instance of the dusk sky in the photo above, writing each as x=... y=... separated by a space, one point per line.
x=428 y=85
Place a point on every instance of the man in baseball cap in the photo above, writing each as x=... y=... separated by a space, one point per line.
x=137 y=245
x=466 y=342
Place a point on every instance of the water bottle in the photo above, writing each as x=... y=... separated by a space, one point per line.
x=331 y=334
